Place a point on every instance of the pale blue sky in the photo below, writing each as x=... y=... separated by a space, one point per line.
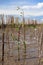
x=32 y=8
x=6 y=2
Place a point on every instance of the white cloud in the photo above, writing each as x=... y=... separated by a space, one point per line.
x=36 y=10
x=9 y=12
x=38 y=5
x=39 y=13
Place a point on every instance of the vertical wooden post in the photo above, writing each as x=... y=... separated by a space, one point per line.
x=18 y=44
x=40 y=52
x=24 y=41
x=24 y=35
x=3 y=49
x=3 y=40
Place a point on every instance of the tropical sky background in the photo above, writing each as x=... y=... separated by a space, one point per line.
x=33 y=9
